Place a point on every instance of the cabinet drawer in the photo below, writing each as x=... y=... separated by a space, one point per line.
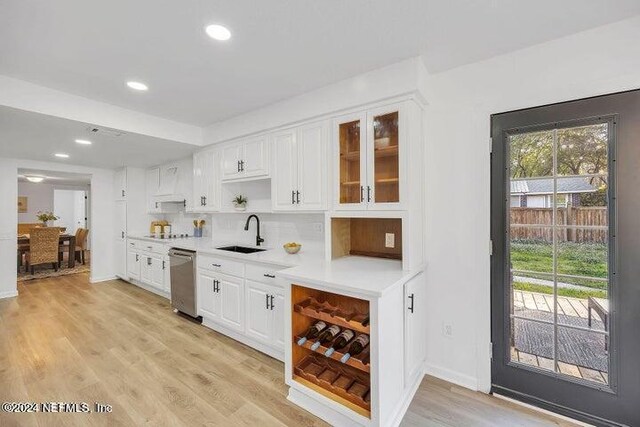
x=221 y=265
x=146 y=246
x=263 y=273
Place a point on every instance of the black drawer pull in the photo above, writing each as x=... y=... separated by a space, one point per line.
x=270 y=276
x=217 y=265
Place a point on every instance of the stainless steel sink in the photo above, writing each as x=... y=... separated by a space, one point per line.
x=241 y=249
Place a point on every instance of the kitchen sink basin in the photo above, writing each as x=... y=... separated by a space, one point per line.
x=240 y=249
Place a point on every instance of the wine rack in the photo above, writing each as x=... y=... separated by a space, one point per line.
x=347 y=383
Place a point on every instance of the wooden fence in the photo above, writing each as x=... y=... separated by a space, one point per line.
x=570 y=216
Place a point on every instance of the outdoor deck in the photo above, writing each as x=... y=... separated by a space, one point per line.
x=572 y=308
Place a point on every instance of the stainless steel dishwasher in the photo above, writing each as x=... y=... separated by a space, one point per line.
x=183 y=281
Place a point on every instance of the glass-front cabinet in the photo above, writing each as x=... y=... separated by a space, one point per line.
x=369 y=159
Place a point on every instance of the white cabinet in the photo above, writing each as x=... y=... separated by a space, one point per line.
x=151 y=189
x=133 y=264
x=370 y=158
x=231 y=291
x=277 y=328
x=414 y=318
x=120 y=184
x=158 y=266
x=146 y=270
x=300 y=168
x=246 y=159
x=206 y=183
x=208 y=300
x=259 y=313
x=121 y=238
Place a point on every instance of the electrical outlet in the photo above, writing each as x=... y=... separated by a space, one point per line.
x=447 y=330
x=389 y=240
x=317 y=227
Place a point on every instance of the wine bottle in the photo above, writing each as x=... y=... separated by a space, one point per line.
x=326 y=336
x=359 y=344
x=313 y=332
x=342 y=340
x=365 y=322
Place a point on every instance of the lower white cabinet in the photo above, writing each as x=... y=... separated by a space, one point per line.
x=133 y=264
x=231 y=292
x=148 y=264
x=265 y=313
x=208 y=301
x=414 y=320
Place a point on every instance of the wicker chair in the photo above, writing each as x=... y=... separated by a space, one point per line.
x=43 y=247
x=81 y=244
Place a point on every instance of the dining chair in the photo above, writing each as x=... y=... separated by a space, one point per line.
x=81 y=244
x=43 y=247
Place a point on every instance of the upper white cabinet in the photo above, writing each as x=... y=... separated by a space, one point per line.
x=120 y=184
x=152 y=186
x=246 y=159
x=206 y=182
x=300 y=168
x=370 y=152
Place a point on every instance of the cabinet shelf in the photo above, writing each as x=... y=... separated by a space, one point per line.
x=386 y=151
x=326 y=312
x=357 y=361
x=341 y=384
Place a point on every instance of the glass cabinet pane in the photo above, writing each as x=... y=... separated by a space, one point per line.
x=350 y=186
x=386 y=161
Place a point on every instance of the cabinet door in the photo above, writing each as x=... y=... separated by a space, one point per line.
x=277 y=328
x=146 y=268
x=231 y=156
x=157 y=272
x=350 y=162
x=231 y=293
x=152 y=185
x=384 y=149
x=255 y=159
x=120 y=184
x=284 y=177
x=211 y=181
x=208 y=299
x=133 y=264
x=259 y=314
x=312 y=161
x=414 y=339
x=199 y=170
x=121 y=239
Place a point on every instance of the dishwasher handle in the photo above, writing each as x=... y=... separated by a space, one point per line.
x=181 y=254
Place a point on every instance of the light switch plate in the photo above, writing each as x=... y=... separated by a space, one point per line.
x=389 y=240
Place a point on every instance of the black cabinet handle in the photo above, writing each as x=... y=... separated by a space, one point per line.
x=293 y=197
x=238 y=165
x=156 y=205
x=267 y=300
x=271 y=297
x=270 y=276
x=149 y=261
x=368 y=193
x=122 y=193
x=361 y=193
x=204 y=198
x=122 y=234
x=137 y=257
x=297 y=197
x=241 y=165
x=217 y=265
x=411 y=306
x=164 y=265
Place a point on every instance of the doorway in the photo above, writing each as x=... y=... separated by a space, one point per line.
x=566 y=243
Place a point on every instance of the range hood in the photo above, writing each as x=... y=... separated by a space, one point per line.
x=167 y=187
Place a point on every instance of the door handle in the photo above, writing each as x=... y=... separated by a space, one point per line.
x=149 y=261
x=361 y=193
x=122 y=234
x=164 y=264
x=204 y=199
x=293 y=197
x=241 y=165
x=368 y=193
x=122 y=193
x=411 y=306
x=271 y=297
x=156 y=205
x=297 y=197
x=270 y=276
x=267 y=300
x=137 y=257
x=238 y=165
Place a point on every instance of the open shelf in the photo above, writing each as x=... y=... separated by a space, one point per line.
x=341 y=384
x=329 y=313
x=360 y=361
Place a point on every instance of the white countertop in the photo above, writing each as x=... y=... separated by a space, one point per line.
x=356 y=274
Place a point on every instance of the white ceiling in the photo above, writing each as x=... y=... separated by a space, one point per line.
x=55 y=177
x=33 y=136
x=279 y=48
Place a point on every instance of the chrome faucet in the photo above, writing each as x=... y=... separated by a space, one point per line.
x=246 y=228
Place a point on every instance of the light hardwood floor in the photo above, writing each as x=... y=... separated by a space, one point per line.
x=64 y=340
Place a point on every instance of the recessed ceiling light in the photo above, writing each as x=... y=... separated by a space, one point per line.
x=137 y=86
x=34 y=178
x=62 y=155
x=218 y=32
x=83 y=141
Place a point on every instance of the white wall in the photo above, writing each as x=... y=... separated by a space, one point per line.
x=8 y=228
x=68 y=206
x=39 y=198
x=599 y=61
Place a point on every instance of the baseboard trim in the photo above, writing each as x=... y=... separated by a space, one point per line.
x=553 y=408
x=9 y=294
x=102 y=279
x=454 y=377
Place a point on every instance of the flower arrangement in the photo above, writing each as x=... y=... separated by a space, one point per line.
x=240 y=202
x=46 y=216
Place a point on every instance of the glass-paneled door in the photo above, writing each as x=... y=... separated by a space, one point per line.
x=352 y=166
x=566 y=236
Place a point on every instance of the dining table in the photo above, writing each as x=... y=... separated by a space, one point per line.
x=23 y=240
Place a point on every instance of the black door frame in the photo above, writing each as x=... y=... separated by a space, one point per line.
x=556 y=392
